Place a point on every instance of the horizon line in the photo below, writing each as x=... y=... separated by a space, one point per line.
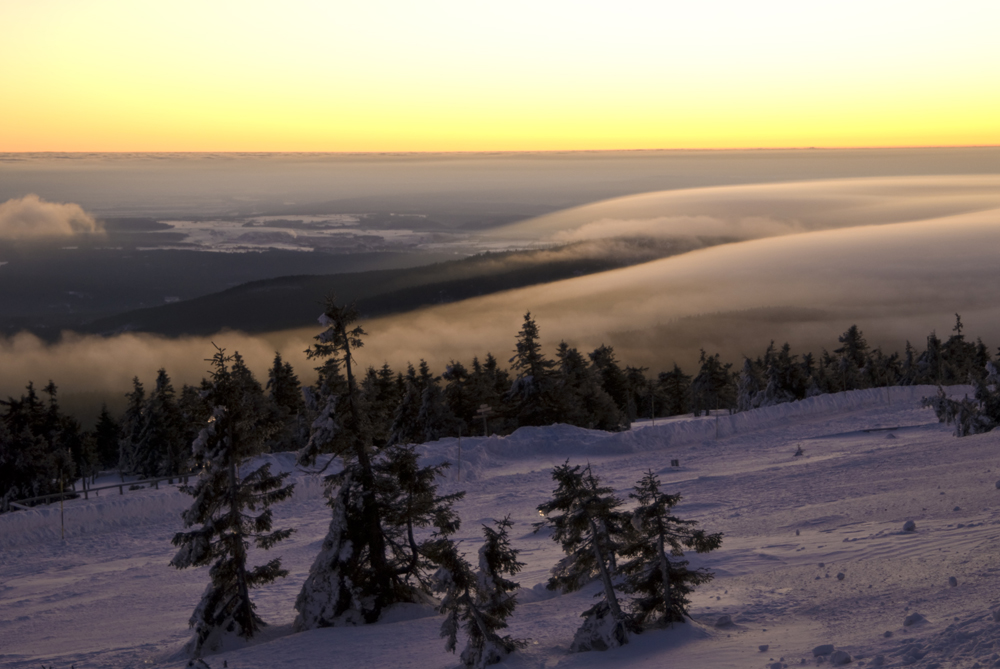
x=512 y=151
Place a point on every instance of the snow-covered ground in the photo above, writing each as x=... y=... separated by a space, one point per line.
x=106 y=597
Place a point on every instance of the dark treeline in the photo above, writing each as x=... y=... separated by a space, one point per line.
x=42 y=448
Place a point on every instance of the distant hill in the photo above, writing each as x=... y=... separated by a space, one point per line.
x=295 y=301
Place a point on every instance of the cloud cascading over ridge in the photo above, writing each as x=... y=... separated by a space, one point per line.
x=31 y=217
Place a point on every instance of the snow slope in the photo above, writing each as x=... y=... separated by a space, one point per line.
x=105 y=597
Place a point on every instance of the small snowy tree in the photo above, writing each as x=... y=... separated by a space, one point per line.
x=224 y=502
x=661 y=583
x=747 y=388
x=590 y=529
x=480 y=602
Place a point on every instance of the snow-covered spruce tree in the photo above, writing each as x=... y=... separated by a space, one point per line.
x=661 y=583
x=775 y=392
x=480 y=602
x=371 y=557
x=231 y=508
x=971 y=416
x=585 y=520
x=747 y=387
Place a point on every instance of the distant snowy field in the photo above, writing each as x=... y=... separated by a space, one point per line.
x=106 y=597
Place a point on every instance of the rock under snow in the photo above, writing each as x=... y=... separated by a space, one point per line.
x=909 y=526
x=763 y=648
x=825 y=649
x=726 y=621
x=913 y=619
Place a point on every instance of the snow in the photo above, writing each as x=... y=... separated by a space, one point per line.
x=106 y=597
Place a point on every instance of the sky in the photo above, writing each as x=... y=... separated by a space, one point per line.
x=444 y=75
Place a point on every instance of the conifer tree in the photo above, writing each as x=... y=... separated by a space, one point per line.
x=131 y=429
x=614 y=381
x=406 y=427
x=674 y=392
x=434 y=418
x=479 y=602
x=930 y=363
x=747 y=388
x=712 y=388
x=231 y=507
x=160 y=449
x=639 y=389
x=285 y=393
x=106 y=435
x=583 y=401
x=532 y=394
x=381 y=398
x=489 y=384
x=33 y=448
x=353 y=579
x=591 y=530
x=661 y=583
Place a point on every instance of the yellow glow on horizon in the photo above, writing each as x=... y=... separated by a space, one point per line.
x=115 y=75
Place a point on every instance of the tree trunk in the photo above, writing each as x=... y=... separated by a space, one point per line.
x=609 y=590
x=243 y=608
x=372 y=517
x=665 y=575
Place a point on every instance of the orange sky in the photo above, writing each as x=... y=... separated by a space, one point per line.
x=117 y=75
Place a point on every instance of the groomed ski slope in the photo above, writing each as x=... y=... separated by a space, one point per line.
x=106 y=597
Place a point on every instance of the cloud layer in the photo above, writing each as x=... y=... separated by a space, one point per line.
x=896 y=280
x=31 y=217
x=765 y=210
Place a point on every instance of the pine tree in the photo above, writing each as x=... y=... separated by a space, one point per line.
x=353 y=579
x=224 y=499
x=106 y=434
x=406 y=428
x=131 y=429
x=674 y=392
x=532 y=394
x=381 y=398
x=930 y=363
x=32 y=453
x=489 y=384
x=434 y=419
x=614 y=381
x=663 y=584
x=748 y=387
x=160 y=448
x=639 y=392
x=591 y=530
x=481 y=602
x=285 y=393
x=713 y=387
x=582 y=400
